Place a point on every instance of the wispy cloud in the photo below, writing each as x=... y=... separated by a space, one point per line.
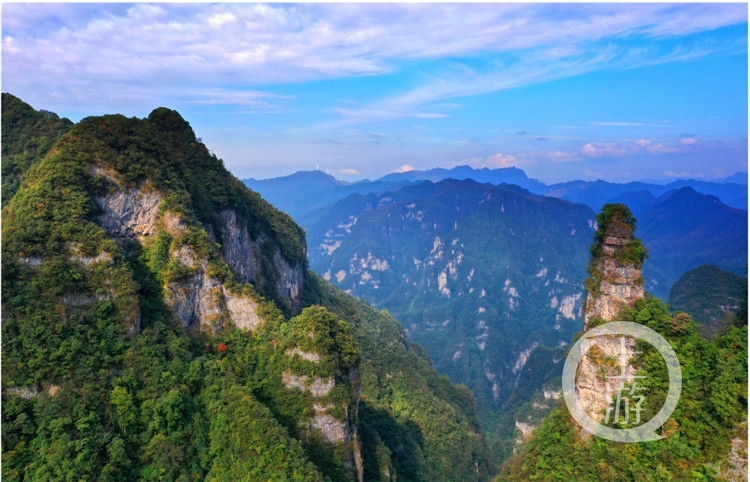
x=623 y=148
x=92 y=53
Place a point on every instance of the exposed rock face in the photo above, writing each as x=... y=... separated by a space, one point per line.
x=525 y=429
x=245 y=256
x=608 y=356
x=27 y=393
x=129 y=213
x=203 y=301
x=736 y=464
x=332 y=429
x=242 y=253
x=200 y=300
x=319 y=387
x=619 y=284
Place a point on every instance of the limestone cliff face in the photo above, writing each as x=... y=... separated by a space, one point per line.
x=199 y=300
x=620 y=281
x=615 y=283
x=129 y=213
x=245 y=256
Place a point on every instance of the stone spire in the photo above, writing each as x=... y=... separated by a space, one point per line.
x=616 y=265
x=616 y=282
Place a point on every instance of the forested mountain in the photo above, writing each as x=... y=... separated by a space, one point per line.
x=706 y=436
x=685 y=224
x=479 y=274
x=685 y=229
x=160 y=323
x=712 y=296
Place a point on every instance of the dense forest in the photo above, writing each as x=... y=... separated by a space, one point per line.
x=104 y=378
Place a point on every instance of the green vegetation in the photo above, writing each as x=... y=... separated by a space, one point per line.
x=614 y=220
x=27 y=136
x=102 y=382
x=711 y=412
x=714 y=298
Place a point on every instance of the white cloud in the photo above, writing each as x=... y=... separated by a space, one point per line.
x=684 y=174
x=688 y=141
x=560 y=156
x=599 y=149
x=501 y=160
x=405 y=168
x=348 y=172
x=623 y=148
x=220 y=19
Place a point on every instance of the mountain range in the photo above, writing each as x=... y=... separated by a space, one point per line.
x=306 y=191
x=487 y=276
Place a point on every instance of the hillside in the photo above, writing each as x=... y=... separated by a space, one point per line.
x=160 y=322
x=711 y=296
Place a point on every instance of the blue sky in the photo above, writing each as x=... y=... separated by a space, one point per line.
x=564 y=91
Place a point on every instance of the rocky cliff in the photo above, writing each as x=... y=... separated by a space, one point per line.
x=615 y=283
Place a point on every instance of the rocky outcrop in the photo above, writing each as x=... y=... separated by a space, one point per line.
x=241 y=252
x=199 y=300
x=620 y=285
x=203 y=301
x=27 y=393
x=615 y=283
x=735 y=469
x=130 y=212
x=334 y=430
x=607 y=357
x=525 y=430
x=245 y=256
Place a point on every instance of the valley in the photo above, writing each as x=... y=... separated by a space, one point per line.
x=160 y=319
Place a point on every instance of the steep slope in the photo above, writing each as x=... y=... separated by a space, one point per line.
x=27 y=135
x=711 y=296
x=686 y=229
x=479 y=274
x=705 y=436
x=159 y=322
